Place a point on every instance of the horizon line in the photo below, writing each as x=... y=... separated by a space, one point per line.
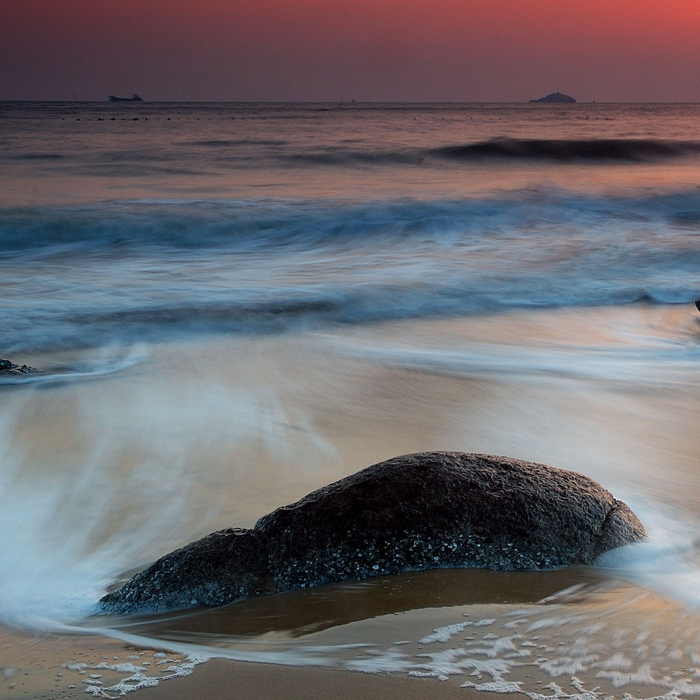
x=352 y=102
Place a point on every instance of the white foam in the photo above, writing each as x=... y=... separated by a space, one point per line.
x=456 y=661
x=392 y=660
x=128 y=491
x=499 y=646
x=617 y=662
x=566 y=665
x=444 y=634
x=484 y=623
x=495 y=686
x=560 y=694
x=594 y=667
x=685 y=687
x=108 y=361
x=641 y=676
x=139 y=676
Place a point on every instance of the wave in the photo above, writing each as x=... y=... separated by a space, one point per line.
x=201 y=156
x=571 y=150
x=38 y=156
x=341 y=157
x=125 y=271
x=270 y=223
x=92 y=368
x=66 y=328
x=558 y=150
x=223 y=143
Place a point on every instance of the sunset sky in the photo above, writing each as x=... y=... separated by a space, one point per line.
x=368 y=50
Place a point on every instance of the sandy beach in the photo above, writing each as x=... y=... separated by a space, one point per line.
x=391 y=394
x=235 y=304
x=613 y=639
x=230 y=681
x=46 y=677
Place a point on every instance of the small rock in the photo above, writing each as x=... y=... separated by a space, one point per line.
x=7 y=367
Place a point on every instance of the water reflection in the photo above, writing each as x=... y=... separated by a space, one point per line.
x=298 y=613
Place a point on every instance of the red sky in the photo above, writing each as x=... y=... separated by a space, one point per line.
x=375 y=50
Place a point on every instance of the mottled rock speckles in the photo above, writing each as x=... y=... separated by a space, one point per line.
x=410 y=513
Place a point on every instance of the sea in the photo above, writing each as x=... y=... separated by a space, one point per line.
x=233 y=304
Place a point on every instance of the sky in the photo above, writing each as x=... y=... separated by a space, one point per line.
x=367 y=50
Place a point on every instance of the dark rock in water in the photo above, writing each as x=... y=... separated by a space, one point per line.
x=215 y=570
x=7 y=367
x=443 y=509
x=557 y=97
x=410 y=513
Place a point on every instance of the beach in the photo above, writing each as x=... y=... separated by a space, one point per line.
x=398 y=400
x=234 y=305
x=595 y=638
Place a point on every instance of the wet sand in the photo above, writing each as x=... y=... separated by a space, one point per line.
x=226 y=680
x=602 y=639
x=311 y=637
x=293 y=414
x=43 y=675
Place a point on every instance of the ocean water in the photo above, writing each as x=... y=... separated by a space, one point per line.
x=234 y=304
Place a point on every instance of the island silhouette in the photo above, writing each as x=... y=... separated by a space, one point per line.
x=556 y=97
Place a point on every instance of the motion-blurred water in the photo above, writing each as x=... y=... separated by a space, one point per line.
x=236 y=304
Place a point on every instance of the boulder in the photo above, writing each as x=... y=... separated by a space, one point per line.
x=410 y=513
x=219 y=568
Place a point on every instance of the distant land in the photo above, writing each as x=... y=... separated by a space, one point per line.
x=556 y=97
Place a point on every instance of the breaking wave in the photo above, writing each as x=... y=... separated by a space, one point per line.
x=573 y=150
x=153 y=268
x=557 y=150
x=270 y=223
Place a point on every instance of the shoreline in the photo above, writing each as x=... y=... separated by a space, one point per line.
x=606 y=639
x=402 y=387
x=214 y=680
x=219 y=679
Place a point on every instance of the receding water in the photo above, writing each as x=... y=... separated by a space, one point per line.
x=234 y=305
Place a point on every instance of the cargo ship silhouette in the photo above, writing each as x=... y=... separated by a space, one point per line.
x=133 y=98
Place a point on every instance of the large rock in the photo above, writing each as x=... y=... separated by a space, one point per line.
x=219 y=568
x=410 y=513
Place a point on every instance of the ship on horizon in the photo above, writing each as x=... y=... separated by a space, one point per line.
x=133 y=98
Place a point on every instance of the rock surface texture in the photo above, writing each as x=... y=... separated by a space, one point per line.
x=410 y=513
x=9 y=368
